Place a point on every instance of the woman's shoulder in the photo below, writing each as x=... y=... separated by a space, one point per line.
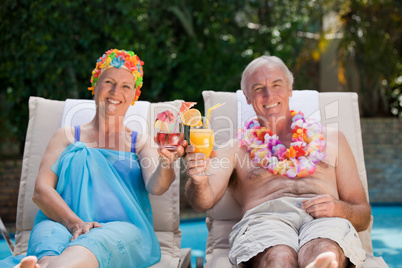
x=61 y=139
x=64 y=135
x=142 y=140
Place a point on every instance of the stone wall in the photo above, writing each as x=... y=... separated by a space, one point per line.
x=10 y=171
x=382 y=141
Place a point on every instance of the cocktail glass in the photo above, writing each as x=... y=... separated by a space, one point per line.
x=172 y=138
x=203 y=139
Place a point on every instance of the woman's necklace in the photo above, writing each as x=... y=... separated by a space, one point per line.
x=299 y=160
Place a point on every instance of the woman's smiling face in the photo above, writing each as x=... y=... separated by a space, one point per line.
x=115 y=89
x=268 y=90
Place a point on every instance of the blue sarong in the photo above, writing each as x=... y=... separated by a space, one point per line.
x=105 y=186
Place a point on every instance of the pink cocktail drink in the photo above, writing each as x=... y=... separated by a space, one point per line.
x=170 y=141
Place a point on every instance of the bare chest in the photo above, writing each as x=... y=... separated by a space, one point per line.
x=253 y=185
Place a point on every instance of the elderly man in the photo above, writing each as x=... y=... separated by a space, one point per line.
x=297 y=184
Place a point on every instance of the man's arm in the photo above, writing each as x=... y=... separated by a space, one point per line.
x=355 y=206
x=203 y=192
x=352 y=203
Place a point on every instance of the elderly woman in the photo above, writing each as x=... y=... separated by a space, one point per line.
x=91 y=190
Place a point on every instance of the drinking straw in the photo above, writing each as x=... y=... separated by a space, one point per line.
x=211 y=109
x=173 y=129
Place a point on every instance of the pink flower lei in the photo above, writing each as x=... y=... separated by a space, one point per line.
x=299 y=160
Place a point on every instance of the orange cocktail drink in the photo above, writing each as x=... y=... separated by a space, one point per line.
x=203 y=140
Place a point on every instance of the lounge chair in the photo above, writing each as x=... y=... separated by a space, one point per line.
x=45 y=117
x=336 y=109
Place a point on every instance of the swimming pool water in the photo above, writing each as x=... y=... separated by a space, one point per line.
x=194 y=236
x=386 y=236
x=4 y=250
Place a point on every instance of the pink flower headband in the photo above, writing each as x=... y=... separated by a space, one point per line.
x=119 y=59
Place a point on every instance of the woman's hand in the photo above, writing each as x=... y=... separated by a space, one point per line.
x=82 y=228
x=163 y=174
x=168 y=157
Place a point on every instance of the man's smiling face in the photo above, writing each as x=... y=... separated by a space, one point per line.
x=268 y=90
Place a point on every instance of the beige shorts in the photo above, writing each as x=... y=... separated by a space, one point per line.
x=283 y=222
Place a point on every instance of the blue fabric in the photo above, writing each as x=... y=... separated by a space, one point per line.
x=77 y=133
x=105 y=186
x=11 y=261
x=133 y=140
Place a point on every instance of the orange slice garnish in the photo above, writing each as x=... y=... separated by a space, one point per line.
x=161 y=126
x=191 y=117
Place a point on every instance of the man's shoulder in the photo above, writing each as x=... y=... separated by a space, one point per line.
x=330 y=130
x=231 y=147
x=335 y=141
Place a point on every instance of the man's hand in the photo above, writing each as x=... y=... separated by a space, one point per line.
x=322 y=206
x=197 y=163
x=83 y=228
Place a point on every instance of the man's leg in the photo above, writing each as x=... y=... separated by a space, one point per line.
x=324 y=260
x=309 y=252
x=280 y=256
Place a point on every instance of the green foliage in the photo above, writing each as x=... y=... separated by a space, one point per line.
x=373 y=41
x=49 y=48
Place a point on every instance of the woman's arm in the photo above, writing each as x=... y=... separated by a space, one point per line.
x=157 y=166
x=45 y=194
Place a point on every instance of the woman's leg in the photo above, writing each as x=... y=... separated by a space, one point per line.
x=44 y=261
x=74 y=256
x=28 y=262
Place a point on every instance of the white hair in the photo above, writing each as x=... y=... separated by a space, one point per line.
x=267 y=61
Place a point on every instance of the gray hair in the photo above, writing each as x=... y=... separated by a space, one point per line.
x=265 y=60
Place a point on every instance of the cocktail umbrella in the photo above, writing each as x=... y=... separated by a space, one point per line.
x=185 y=106
x=166 y=116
